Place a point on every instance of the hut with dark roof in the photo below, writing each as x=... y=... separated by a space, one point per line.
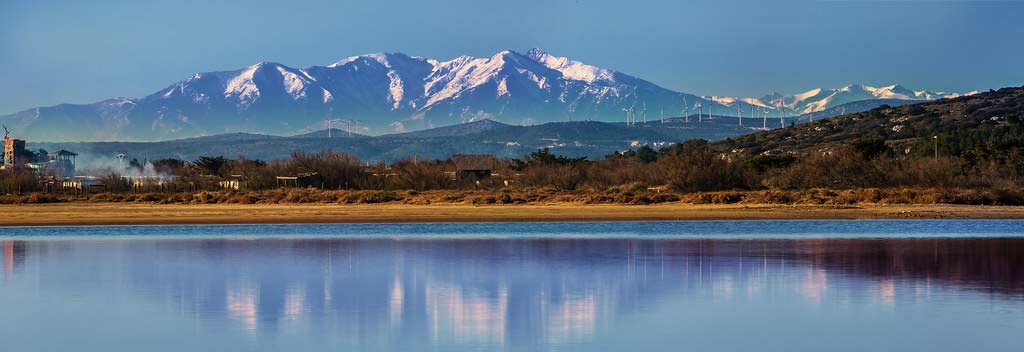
x=473 y=166
x=64 y=162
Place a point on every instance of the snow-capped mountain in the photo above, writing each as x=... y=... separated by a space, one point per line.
x=820 y=99
x=393 y=92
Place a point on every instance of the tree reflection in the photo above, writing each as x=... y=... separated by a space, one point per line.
x=496 y=292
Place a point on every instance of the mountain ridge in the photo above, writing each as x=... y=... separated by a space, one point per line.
x=394 y=92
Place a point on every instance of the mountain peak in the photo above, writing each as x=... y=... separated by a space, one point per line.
x=536 y=53
x=501 y=55
x=383 y=58
x=379 y=57
x=263 y=64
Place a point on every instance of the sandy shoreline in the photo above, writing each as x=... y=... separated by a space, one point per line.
x=142 y=214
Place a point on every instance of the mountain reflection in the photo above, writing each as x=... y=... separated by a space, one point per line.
x=497 y=292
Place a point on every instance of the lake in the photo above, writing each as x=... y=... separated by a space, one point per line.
x=931 y=285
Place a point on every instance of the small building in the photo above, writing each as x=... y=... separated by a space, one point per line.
x=64 y=162
x=81 y=184
x=234 y=182
x=145 y=183
x=14 y=149
x=473 y=166
x=305 y=179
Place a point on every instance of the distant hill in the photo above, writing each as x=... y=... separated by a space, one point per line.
x=977 y=127
x=332 y=133
x=591 y=139
x=455 y=130
x=232 y=137
x=854 y=107
x=960 y=122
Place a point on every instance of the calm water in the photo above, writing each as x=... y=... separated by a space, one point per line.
x=663 y=286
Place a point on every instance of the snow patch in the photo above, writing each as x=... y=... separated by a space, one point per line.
x=570 y=69
x=396 y=89
x=503 y=88
x=243 y=87
x=294 y=84
x=327 y=96
x=398 y=126
x=805 y=95
x=461 y=74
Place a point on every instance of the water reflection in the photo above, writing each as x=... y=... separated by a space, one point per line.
x=513 y=294
x=14 y=256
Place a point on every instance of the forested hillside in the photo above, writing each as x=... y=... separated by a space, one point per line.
x=986 y=127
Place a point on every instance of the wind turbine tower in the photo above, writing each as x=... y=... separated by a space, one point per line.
x=686 y=114
x=739 y=112
x=330 y=114
x=630 y=118
x=645 y=112
x=700 y=112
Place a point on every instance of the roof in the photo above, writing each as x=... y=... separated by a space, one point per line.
x=465 y=162
x=64 y=152
x=297 y=176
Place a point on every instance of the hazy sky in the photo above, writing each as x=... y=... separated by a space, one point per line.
x=83 y=51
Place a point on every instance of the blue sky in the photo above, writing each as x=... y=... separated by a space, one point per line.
x=83 y=51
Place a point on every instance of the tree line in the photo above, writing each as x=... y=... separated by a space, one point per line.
x=691 y=166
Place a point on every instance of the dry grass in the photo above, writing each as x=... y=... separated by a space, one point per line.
x=81 y=213
x=629 y=194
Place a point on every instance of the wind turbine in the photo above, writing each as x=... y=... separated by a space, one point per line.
x=630 y=119
x=644 y=112
x=700 y=112
x=765 y=123
x=330 y=113
x=686 y=115
x=782 y=118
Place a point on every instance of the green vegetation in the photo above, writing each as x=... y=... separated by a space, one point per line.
x=977 y=129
